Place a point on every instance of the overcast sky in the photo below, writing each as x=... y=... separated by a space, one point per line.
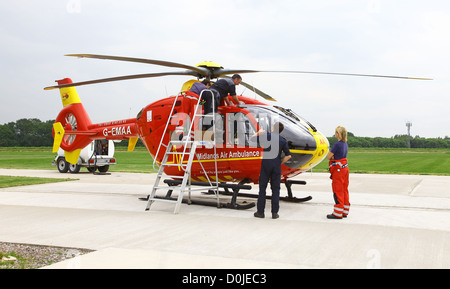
x=405 y=38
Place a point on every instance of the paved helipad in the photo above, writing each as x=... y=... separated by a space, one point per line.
x=395 y=221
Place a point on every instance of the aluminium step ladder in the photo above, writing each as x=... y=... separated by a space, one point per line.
x=189 y=151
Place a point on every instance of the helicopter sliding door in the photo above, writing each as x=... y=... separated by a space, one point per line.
x=240 y=129
x=242 y=153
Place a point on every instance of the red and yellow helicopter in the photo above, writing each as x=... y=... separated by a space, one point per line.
x=238 y=159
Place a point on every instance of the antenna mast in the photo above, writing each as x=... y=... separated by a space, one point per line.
x=409 y=125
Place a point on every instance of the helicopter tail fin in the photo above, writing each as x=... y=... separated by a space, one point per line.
x=59 y=134
x=71 y=157
x=71 y=128
x=69 y=95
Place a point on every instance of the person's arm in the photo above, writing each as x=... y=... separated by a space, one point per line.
x=330 y=156
x=259 y=132
x=226 y=100
x=287 y=153
x=254 y=137
x=236 y=99
x=285 y=159
x=332 y=151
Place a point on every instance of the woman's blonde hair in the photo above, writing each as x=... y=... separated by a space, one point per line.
x=342 y=132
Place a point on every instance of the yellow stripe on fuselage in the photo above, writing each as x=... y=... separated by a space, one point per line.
x=302 y=152
x=212 y=160
x=232 y=159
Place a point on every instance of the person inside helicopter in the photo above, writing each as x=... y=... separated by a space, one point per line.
x=225 y=86
x=202 y=89
x=198 y=88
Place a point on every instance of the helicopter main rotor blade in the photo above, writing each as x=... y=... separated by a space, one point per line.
x=222 y=72
x=352 y=74
x=120 y=78
x=257 y=91
x=254 y=89
x=200 y=70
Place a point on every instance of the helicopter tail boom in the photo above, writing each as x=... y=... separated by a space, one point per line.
x=73 y=129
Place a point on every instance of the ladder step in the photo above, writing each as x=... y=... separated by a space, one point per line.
x=176 y=188
x=174 y=165
x=173 y=176
x=180 y=142
x=191 y=142
x=162 y=200
x=170 y=165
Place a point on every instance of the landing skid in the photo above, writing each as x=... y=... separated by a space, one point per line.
x=236 y=206
x=236 y=188
x=285 y=199
x=289 y=198
x=233 y=205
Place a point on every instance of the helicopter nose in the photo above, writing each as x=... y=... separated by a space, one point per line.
x=322 y=146
x=302 y=145
x=308 y=148
x=321 y=151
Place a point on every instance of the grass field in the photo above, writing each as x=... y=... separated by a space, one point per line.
x=396 y=161
x=386 y=161
x=40 y=158
x=9 y=181
x=26 y=158
x=137 y=161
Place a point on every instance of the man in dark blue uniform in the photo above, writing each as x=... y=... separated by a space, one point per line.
x=273 y=145
x=225 y=86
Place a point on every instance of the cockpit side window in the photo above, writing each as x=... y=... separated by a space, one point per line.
x=295 y=131
x=264 y=121
x=264 y=118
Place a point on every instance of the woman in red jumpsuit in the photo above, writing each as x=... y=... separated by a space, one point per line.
x=339 y=174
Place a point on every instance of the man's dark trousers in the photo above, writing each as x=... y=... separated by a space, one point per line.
x=270 y=169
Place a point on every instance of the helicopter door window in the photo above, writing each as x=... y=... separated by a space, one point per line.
x=264 y=122
x=240 y=129
x=263 y=118
x=220 y=129
x=204 y=124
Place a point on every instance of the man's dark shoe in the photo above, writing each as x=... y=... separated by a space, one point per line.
x=275 y=216
x=258 y=215
x=331 y=216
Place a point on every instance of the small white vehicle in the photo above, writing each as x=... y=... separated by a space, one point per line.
x=99 y=154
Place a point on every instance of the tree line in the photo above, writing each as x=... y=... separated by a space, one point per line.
x=26 y=132
x=32 y=132
x=398 y=141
